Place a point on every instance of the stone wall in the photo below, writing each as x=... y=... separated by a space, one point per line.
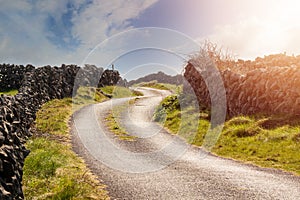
x=90 y=76
x=11 y=76
x=111 y=77
x=257 y=89
x=17 y=113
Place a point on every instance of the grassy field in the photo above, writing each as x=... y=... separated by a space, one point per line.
x=10 y=92
x=265 y=141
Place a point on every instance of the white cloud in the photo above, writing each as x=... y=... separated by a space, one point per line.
x=49 y=6
x=24 y=34
x=102 y=19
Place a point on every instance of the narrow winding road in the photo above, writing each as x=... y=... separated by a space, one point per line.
x=157 y=165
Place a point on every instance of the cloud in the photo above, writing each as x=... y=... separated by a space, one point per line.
x=55 y=32
x=17 y=5
x=102 y=19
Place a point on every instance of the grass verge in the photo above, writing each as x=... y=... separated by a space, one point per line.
x=87 y=95
x=161 y=86
x=265 y=141
x=120 y=92
x=52 y=170
x=10 y=92
x=113 y=124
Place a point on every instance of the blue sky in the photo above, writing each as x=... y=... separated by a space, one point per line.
x=100 y=32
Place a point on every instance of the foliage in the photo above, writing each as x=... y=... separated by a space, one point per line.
x=260 y=140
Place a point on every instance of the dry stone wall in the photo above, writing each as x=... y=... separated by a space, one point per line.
x=11 y=76
x=111 y=77
x=265 y=90
x=17 y=113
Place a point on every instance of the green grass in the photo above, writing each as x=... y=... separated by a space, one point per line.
x=137 y=93
x=10 y=92
x=272 y=141
x=120 y=92
x=52 y=170
x=53 y=117
x=249 y=141
x=88 y=95
x=113 y=124
x=161 y=86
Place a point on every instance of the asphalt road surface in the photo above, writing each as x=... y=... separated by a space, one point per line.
x=157 y=165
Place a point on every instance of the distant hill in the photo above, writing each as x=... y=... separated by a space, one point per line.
x=159 y=77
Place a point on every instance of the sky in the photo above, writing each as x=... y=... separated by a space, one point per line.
x=143 y=36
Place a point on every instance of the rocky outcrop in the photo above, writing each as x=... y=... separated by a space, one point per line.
x=159 y=77
x=266 y=90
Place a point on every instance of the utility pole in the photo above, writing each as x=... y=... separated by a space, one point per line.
x=113 y=67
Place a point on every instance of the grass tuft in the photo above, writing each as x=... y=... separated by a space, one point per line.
x=112 y=122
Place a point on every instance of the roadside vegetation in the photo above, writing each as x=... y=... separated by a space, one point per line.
x=161 y=86
x=113 y=123
x=86 y=96
x=120 y=92
x=272 y=141
x=112 y=120
x=52 y=170
x=10 y=92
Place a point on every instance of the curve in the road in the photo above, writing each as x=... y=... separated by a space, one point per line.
x=158 y=165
